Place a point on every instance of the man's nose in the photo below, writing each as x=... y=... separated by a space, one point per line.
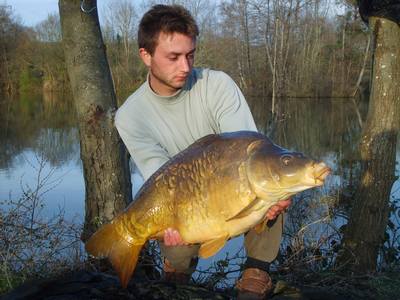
x=185 y=64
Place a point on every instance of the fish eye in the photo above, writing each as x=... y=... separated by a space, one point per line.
x=286 y=159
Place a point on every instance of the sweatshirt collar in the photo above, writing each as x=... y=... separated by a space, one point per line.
x=178 y=96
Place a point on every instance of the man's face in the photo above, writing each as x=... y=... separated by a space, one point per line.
x=171 y=62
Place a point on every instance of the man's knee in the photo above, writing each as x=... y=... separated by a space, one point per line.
x=181 y=258
x=265 y=245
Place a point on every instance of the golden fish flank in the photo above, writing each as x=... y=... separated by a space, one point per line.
x=219 y=187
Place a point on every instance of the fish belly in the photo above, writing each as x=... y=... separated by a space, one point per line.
x=242 y=225
x=212 y=228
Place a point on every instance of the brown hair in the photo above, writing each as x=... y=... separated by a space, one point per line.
x=167 y=19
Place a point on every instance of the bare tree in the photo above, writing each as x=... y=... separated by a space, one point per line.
x=122 y=18
x=49 y=30
x=277 y=18
x=120 y=30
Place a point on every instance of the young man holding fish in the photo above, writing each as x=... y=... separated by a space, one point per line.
x=177 y=105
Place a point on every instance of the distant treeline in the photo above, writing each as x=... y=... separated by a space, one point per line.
x=297 y=48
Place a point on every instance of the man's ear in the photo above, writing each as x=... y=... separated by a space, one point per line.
x=145 y=56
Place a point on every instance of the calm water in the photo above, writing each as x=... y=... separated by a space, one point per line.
x=40 y=131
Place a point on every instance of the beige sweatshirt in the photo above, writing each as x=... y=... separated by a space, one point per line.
x=154 y=128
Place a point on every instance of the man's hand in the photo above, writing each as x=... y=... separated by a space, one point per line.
x=278 y=208
x=173 y=238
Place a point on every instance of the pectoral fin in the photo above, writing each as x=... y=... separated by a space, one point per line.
x=211 y=247
x=260 y=227
x=253 y=206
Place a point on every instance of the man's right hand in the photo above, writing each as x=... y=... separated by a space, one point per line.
x=173 y=238
x=278 y=208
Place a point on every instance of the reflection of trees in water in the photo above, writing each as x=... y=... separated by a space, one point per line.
x=313 y=126
x=43 y=126
x=58 y=145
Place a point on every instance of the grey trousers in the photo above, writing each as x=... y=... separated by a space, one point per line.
x=263 y=246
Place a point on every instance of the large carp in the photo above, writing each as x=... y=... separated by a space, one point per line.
x=219 y=187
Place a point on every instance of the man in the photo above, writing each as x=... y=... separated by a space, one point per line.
x=177 y=105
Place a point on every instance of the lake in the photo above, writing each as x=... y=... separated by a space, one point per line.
x=39 y=145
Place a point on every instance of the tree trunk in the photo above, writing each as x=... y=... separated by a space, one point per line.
x=369 y=216
x=104 y=157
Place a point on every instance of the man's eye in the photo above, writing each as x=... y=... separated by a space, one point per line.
x=173 y=58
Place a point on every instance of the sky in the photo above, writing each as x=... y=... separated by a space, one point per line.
x=32 y=12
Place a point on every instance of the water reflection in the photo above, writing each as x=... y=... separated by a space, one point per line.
x=37 y=129
x=314 y=126
x=44 y=124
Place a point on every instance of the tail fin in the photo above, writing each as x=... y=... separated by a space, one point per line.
x=108 y=242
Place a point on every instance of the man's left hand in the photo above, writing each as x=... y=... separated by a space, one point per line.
x=173 y=238
x=278 y=208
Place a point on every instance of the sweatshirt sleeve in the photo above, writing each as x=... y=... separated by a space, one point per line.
x=147 y=153
x=228 y=105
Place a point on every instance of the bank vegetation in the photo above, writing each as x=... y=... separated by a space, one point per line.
x=286 y=48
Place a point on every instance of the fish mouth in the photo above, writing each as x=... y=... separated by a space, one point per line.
x=320 y=173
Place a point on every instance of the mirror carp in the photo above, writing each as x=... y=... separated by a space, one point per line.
x=219 y=187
